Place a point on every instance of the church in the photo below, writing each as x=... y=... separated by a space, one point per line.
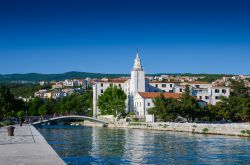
x=141 y=92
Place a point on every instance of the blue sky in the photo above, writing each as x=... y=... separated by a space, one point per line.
x=56 y=36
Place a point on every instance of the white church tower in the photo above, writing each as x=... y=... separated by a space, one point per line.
x=137 y=81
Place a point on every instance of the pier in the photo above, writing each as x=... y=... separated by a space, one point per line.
x=26 y=147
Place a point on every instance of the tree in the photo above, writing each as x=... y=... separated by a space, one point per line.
x=189 y=107
x=244 y=114
x=6 y=102
x=209 y=113
x=9 y=106
x=42 y=111
x=187 y=90
x=239 y=89
x=75 y=104
x=112 y=101
x=34 y=105
x=234 y=108
x=20 y=115
x=165 y=109
x=84 y=103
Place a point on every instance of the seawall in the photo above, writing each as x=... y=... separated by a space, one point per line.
x=232 y=129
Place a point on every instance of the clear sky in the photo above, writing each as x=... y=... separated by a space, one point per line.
x=173 y=36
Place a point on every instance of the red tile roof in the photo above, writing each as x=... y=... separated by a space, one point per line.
x=198 y=82
x=158 y=94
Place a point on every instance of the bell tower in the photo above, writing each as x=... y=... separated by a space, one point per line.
x=137 y=82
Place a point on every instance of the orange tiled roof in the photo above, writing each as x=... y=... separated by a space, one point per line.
x=158 y=94
x=198 y=82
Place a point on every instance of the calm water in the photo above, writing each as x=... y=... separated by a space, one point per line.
x=87 y=145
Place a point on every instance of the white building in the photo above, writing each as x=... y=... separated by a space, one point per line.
x=144 y=100
x=57 y=85
x=57 y=94
x=69 y=83
x=141 y=91
x=159 y=86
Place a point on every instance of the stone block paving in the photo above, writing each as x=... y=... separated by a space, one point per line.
x=22 y=136
x=26 y=147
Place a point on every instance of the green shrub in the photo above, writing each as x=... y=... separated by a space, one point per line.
x=150 y=126
x=165 y=125
x=6 y=123
x=131 y=114
x=135 y=119
x=205 y=130
x=20 y=114
x=194 y=126
x=134 y=124
x=245 y=132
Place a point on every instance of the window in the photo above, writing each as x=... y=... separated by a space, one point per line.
x=171 y=91
x=156 y=85
x=180 y=89
x=163 y=85
x=120 y=85
x=102 y=91
x=197 y=86
x=224 y=91
x=148 y=104
x=171 y=85
x=200 y=97
x=101 y=84
x=206 y=97
x=217 y=97
x=217 y=91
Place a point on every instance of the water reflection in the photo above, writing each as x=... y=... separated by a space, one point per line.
x=87 y=145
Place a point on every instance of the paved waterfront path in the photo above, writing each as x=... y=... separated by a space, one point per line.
x=27 y=147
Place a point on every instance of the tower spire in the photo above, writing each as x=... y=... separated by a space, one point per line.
x=137 y=64
x=137 y=54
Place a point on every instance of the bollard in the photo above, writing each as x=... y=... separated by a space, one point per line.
x=10 y=130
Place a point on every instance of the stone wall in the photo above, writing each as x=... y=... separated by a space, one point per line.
x=234 y=129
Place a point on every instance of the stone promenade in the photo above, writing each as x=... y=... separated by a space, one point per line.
x=27 y=147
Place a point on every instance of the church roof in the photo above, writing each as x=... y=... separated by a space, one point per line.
x=158 y=94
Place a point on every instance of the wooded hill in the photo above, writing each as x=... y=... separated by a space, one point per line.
x=35 y=77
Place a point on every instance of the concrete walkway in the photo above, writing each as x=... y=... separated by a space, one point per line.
x=27 y=147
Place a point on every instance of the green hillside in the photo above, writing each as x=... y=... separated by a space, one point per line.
x=35 y=77
x=56 y=77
